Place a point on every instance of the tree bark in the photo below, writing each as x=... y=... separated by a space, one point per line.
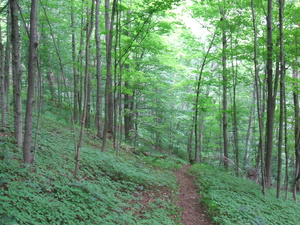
x=75 y=72
x=270 y=100
x=89 y=30
x=249 y=131
x=32 y=65
x=87 y=92
x=109 y=103
x=297 y=123
x=2 y=82
x=282 y=95
x=258 y=99
x=224 y=100
x=98 y=72
x=196 y=106
x=8 y=60
x=17 y=72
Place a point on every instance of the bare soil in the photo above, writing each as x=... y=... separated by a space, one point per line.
x=194 y=212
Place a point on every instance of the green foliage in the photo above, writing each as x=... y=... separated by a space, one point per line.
x=232 y=200
x=164 y=163
x=109 y=189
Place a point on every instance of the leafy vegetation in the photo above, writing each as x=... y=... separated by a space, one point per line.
x=108 y=190
x=233 y=200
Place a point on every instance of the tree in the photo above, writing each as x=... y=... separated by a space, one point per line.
x=17 y=72
x=89 y=29
x=75 y=71
x=225 y=80
x=282 y=94
x=98 y=72
x=2 y=81
x=109 y=102
x=272 y=91
x=32 y=65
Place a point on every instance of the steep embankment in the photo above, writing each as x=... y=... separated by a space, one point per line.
x=109 y=189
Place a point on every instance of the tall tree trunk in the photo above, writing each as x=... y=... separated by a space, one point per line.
x=89 y=30
x=235 y=119
x=7 y=66
x=271 y=100
x=2 y=82
x=224 y=100
x=128 y=115
x=98 y=72
x=75 y=72
x=282 y=94
x=32 y=65
x=196 y=106
x=258 y=99
x=17 y=72
x=297 y=122
x=249 y=131
x=189 y=144
x=109 y=104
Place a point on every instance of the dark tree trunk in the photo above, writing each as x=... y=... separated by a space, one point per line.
x=2 y=82
x=32 y=66
x=270 y=99
x=98 y=72
x=75 y=72
x=7 y=66
x=282 y=95
x=87 y=85
x=196 y=106
x=258 y=99
x=109 y=103
x=16 y=70
x=297 y=123
x=224 y=100
x=249 y=131
x=89 y=30
x=128 y=114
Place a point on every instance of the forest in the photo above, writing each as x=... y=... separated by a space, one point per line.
x=102 y=100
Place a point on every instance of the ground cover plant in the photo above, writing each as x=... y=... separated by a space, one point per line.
x=232 y=200
x=109 y=189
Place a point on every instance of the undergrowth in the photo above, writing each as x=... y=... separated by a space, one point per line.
x=109 y=189
x=238 y=201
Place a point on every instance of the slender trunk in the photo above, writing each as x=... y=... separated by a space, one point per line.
x=32 y=65
x=89 y=30
x=39 y=103
x=197 y=157
x=2 y=82
x=8 y=60
x=235 y=119
x=224 y=100
x=98 y=72
x=297 y=123
x=189 y=145
x=17 y=72
x=258 y=98
x=249 y=131
x=286 y=150
x=272 y=91
x=282 y=95
x=109 y=109
x=75 y=72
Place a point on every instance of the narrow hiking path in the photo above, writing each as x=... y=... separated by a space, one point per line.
x=193 y=212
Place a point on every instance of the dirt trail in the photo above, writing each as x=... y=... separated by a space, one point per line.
x=193 y=212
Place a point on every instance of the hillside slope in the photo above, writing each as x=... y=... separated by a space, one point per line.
x=109 y=189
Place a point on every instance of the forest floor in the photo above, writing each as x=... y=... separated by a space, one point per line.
x=193 y=212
